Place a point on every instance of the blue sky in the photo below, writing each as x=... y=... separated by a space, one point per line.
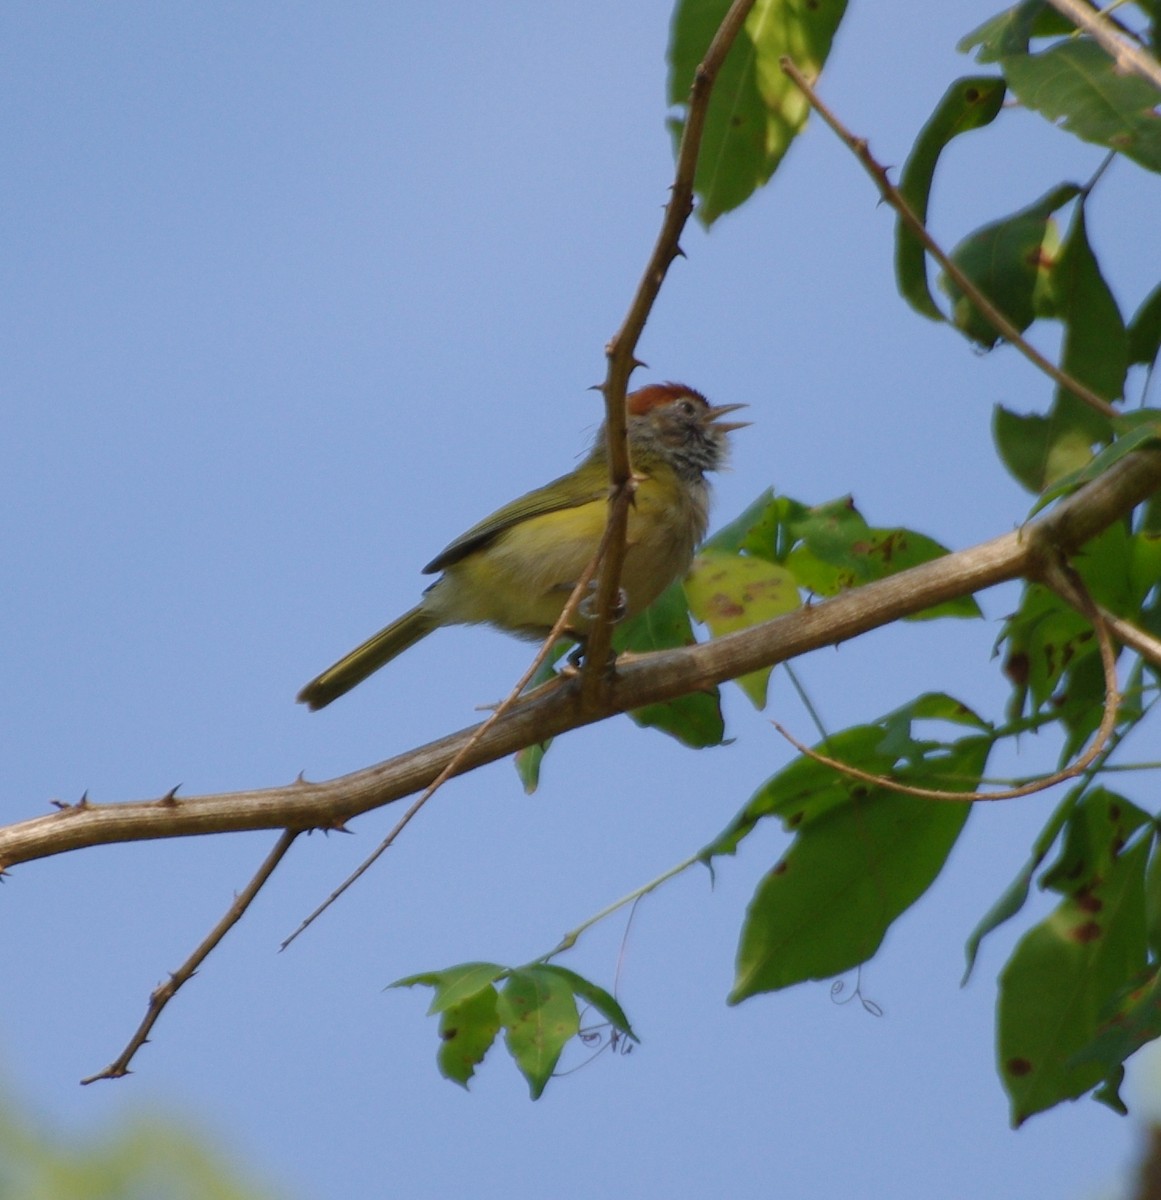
x=293 y=295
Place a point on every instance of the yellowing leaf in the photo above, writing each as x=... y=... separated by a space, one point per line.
x=728 y=592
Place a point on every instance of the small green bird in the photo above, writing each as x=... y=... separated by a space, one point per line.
x=517 y=568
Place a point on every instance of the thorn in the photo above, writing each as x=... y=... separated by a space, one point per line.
x=301 y=780
x=678 y=252
x=170 y=797
x=596 y=387
x=83 y=802
x=636 y=362
x=60 y=804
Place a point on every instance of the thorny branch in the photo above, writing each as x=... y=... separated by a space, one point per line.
x=165 y=992
x=621 y=350
x=644 y=680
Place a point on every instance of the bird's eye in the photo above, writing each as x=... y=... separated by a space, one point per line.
x=687 y=407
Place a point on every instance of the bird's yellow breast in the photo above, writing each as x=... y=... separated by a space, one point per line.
x=521 y=580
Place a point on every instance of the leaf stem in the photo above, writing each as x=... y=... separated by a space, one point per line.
x=570 y=939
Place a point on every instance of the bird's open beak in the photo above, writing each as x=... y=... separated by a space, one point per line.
x=720 y=410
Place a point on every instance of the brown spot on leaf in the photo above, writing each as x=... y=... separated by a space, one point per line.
x=1087 y=902
x=448 y=1034
x=1017 y=668
x=780 y=869
x=1018 y=1066
x=721 y=605
x=759 y=588
x=795 y=819
x=972 y=95
x=1088 y=932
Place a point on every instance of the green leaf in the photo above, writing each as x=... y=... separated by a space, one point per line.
x=455 y=984
x=467 y=1030
x=1043 y=453
x=1140 y=428
x=1010 y=31
x=1132 y=1020
x=528 y=763
x=539 y=1016
x=839 y=550
x=969 y=103
x=1096 y=831
x=1009 y=261
x=806 y=790
x=754 y=111
x=850 y=872
x=1077 y=85
x=1061 y=977
x=1043 y=639
x=696 y=719
x=728 y=592
x=1096 y=346
x=1145 y=330
x=1013 y=897
x=758 y=531
x=595 y=996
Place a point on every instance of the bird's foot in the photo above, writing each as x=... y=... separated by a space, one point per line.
x=587 y=608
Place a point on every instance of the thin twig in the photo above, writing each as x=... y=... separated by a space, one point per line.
x=166 y=991
x=570 y=939
x=1128 y=56
x=1055 y=572
x=562 y=623
x=891 y=194
x=622 y=347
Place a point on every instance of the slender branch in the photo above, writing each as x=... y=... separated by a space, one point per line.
x=165 y=992
x=570 y=939
x=622 y=347
x=891 y=194
x=562 y=623
x=1057 y=576
x=1128 y=56
x=644 y=680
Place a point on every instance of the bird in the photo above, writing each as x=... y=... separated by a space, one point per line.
x=517 y=568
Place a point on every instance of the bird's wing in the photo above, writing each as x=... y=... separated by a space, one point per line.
x=569 y=491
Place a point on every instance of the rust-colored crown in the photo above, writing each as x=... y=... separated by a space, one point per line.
x=656 y=394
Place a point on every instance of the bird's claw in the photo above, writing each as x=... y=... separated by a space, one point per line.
x=587 y=608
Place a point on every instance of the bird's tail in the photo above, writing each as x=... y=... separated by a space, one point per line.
x=366 y=659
